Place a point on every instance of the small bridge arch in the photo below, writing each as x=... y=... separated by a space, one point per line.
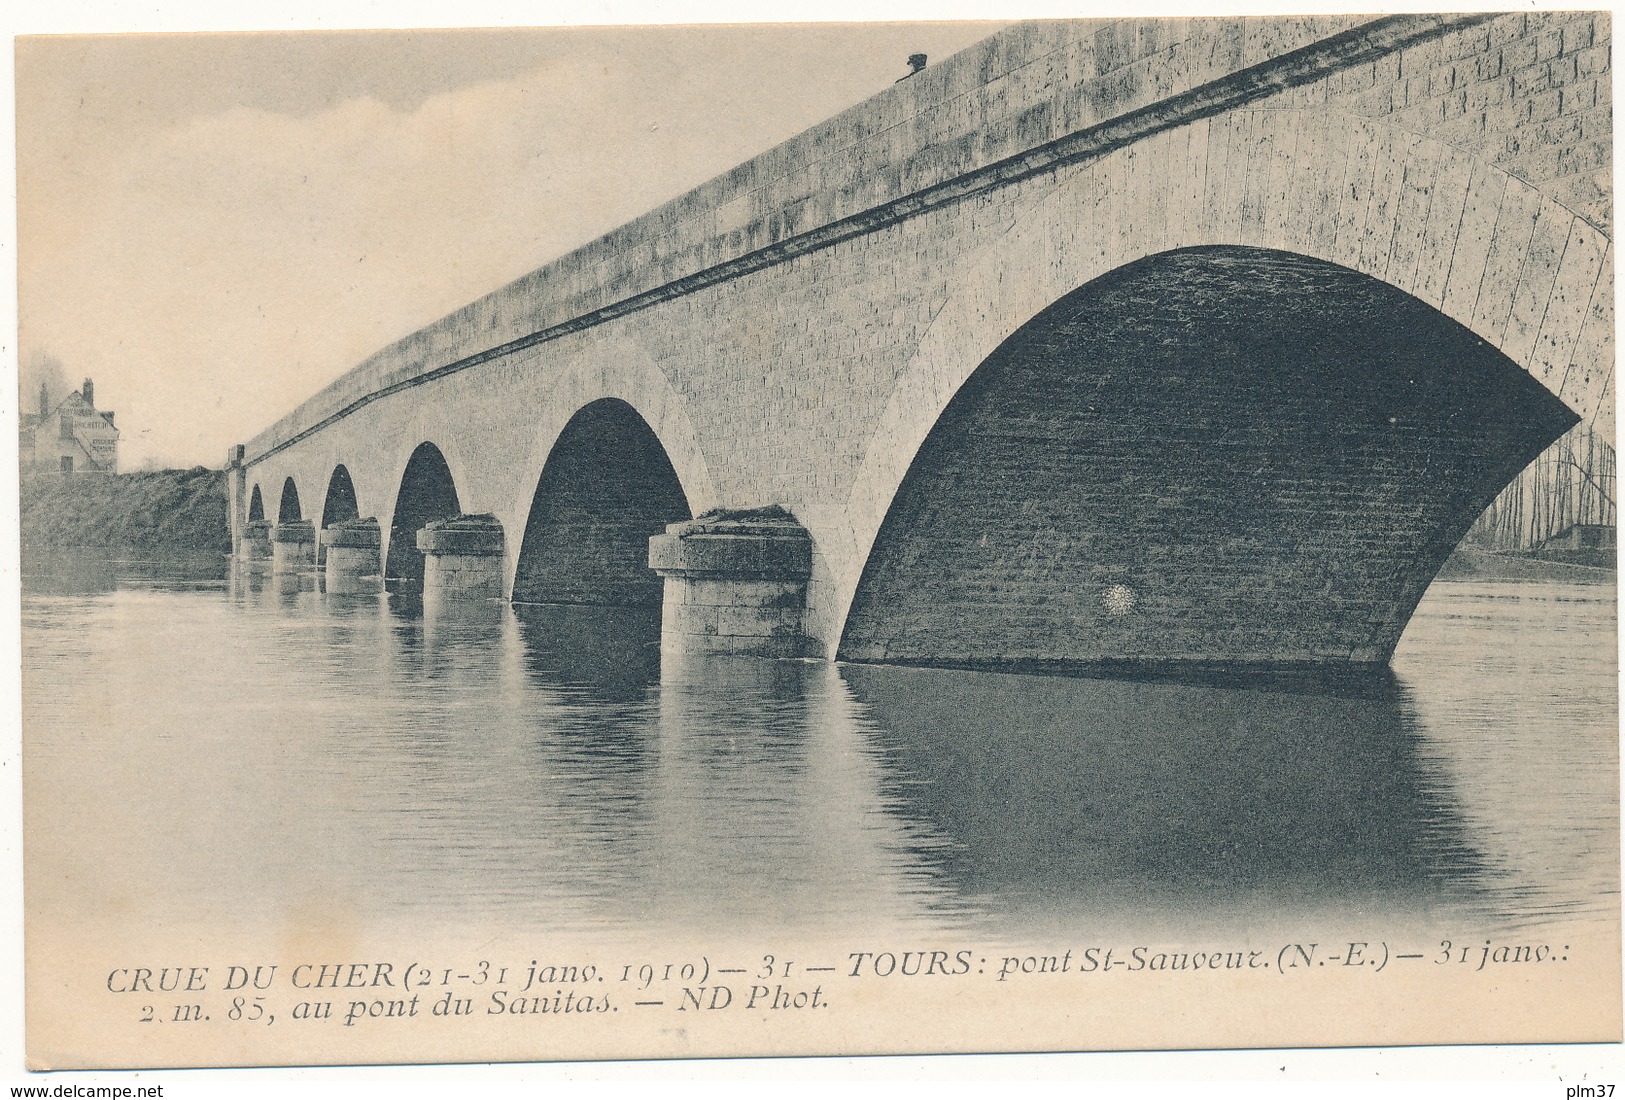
x=607 y=486
x=287 y=509
x=340 y=502
x=427 y=492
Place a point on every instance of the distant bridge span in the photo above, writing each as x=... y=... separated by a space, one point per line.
x=1131 y=341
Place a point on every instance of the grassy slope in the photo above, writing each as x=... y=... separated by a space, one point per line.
x=165 y=510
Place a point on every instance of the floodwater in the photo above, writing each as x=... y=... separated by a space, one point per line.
x=208 y=751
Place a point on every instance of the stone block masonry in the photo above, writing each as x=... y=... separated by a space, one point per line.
x=293 y=548
x=352 y=566
x=735 y=583
x=797 y=330
x=462 y=559
x=254 y=549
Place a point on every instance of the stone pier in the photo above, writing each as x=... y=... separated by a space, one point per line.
x=736 y=582
x=293 y=548
x=352 y=566
x=254 y=548
x=462 y=559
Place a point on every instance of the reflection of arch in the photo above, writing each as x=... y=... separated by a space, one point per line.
x=1483 y=248
x=427 y=493
x=288 y=508
x=1213 y=454
x=340 y=502
x=607 y=486
x=1253 y=790
x=256 y=507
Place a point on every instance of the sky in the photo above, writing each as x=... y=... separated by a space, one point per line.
x=214 y=226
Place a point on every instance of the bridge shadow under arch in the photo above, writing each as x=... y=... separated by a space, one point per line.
x=1224 y=455
x=288 y=510
x=256 y=506
x=606 y=487
x=427 y=494
x=339 y=505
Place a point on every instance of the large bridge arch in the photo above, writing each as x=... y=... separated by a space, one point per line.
x=1214 y=454
x=1482 y=248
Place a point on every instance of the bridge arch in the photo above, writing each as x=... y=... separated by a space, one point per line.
x=1482 y=250
x=612 y=371
x=340 y=503
x=427 y=492
x=1212 y=454
x=287 y=509
x=256 y=506
x=607 y=486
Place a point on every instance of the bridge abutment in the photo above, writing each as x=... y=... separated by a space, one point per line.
x=734 y=583
x=352 y=566
x=236 y=491
x=462 y=560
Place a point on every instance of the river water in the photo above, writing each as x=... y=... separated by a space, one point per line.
x=208 y=751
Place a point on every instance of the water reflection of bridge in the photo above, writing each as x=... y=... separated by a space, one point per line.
x=804 y=795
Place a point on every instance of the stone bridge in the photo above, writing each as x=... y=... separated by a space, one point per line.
x=1191 y=340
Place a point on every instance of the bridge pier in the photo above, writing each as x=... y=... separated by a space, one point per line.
x=352 y=566
x=293 y=549
x=736 y=582
x=254 y=546
x=462 y=560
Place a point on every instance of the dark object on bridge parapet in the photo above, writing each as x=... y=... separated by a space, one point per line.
x=916 y=62
x=479 y=535
x=770 y=513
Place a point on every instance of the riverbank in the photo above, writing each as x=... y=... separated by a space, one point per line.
x=1566 y=567
x=156 y=512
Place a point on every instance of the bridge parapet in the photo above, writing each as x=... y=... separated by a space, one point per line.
x=1028 y=98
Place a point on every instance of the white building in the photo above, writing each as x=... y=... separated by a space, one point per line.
x=73 y=437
